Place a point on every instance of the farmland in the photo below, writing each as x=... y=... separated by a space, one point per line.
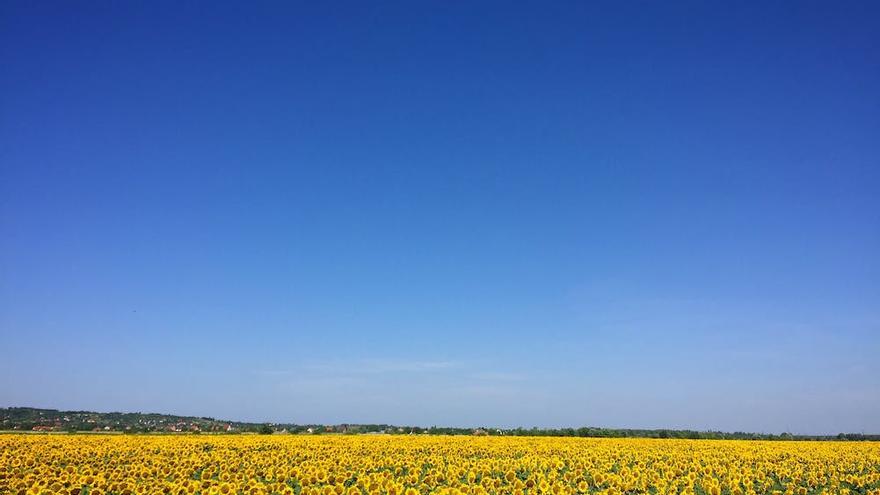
x=423 y=465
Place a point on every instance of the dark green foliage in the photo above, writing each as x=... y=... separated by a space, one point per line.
x=30 y=419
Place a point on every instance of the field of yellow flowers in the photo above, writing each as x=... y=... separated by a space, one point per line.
x=421 y=465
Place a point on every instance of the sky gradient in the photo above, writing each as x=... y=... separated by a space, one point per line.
x=621 y=214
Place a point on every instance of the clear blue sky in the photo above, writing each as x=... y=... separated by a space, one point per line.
x=625 y=214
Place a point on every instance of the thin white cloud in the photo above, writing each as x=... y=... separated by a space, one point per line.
x=363 y=367
x=499 y=376
x=390 y=366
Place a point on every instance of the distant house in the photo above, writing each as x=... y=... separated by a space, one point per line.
x=479 y=432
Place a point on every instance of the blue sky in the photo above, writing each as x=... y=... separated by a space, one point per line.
x=635 y=214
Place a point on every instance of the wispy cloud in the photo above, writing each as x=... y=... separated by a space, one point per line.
x=499 y=376
x=273 y=372
x=364 y=367
x=376 y=366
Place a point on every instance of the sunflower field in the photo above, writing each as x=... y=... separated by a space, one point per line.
x=422 y=465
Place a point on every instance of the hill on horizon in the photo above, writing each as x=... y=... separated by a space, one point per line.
x=54 y=420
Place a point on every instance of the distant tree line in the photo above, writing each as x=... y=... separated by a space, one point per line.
x=32 y=419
